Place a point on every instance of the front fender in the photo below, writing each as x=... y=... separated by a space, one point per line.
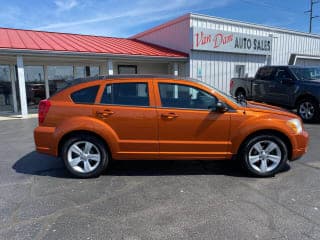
x=254 y=125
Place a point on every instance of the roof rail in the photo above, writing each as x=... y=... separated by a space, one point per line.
x=76 y=81
x=73 y=82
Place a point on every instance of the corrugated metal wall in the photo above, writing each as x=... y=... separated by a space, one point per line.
x=218 y=68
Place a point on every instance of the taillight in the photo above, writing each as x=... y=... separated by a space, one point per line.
x=231 y=83
x=44 y=106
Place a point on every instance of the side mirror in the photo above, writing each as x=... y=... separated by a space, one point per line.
x=220 y=107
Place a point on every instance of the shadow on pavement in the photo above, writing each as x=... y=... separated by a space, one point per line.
x=43 y=165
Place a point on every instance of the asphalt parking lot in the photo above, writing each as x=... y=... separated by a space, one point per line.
x=153 y=200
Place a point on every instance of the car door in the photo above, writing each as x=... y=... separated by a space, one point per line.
x=281 y=88
x=128 y=108
x=188 y=129
x=260 y=85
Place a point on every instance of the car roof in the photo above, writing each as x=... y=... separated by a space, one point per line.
x=73 y=82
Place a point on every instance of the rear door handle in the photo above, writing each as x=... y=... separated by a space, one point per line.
x=169 y=115
x=104 y=113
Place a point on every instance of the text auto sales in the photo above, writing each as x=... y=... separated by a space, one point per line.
x=220 y=39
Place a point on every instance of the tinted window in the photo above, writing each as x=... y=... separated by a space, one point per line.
x=282 y=74
x=307 y=73
x=86 y=95
x=134 y=94
x=183 y=96
x=265 y=73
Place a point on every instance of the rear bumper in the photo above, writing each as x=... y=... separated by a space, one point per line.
x=44 y=138
x=301 y=145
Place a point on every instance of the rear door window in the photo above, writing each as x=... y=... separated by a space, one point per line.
x=128 y=94
x=85 y=95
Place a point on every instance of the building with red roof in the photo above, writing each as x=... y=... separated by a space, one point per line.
x=35 y=64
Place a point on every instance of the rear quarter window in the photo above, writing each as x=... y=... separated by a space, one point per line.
x=85 y=95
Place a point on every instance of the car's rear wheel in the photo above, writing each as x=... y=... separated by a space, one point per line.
x=308 y=110
x=264 y=155
x=85 y=156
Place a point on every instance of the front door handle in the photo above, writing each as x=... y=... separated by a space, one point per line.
x=104 y=113
x=169 y=115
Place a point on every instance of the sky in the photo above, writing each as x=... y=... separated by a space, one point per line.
x=124 y=18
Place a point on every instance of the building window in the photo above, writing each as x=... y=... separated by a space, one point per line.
x=57 y=75
x=239 y=71
x=86 y=71
x=5 y=89
x=35 y=87
x=127 y=69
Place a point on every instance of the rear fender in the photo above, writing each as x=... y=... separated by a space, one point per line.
x=85 y=123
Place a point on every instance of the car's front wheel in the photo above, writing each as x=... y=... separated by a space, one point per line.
x=308 y=110
x=85 y=156
x=264 y=155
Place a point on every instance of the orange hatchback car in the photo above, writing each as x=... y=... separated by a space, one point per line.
x=163 y=118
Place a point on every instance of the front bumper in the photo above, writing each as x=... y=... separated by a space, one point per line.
x=301 y=145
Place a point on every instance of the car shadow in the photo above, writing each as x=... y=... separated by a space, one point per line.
x=35 y=163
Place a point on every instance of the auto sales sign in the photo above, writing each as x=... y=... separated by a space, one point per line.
x=222 y=41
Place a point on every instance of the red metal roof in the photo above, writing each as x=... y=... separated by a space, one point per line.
x=64 y=42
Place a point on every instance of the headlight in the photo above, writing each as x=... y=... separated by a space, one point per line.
x=295 y=125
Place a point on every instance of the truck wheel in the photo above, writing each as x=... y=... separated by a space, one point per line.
x=308 y=110
x=264 y=155
x=240 y=95
x=85 y=156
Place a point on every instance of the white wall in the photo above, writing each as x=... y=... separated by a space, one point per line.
x=218 y=68
x=174 y=35
x=284 y=42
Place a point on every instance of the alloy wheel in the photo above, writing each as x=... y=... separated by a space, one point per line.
x=306 y=110
x=264 y=156
x=83 y=156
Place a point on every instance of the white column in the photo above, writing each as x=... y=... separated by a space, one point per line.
x=175 y=69
x=22 y=87
x=46 y=81
x=110 y=67
x=13 y=87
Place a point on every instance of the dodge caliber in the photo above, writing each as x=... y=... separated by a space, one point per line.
x=91 y=122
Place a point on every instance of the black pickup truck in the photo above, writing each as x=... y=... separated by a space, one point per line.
x=292 y=87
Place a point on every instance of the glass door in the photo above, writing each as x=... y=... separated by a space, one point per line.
x=6 y=99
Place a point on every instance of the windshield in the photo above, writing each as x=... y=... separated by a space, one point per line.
x=308 y=73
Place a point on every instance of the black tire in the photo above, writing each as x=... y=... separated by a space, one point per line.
x=308 y=116
x=99 y=147
x=263 y=140
x=240 y=95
